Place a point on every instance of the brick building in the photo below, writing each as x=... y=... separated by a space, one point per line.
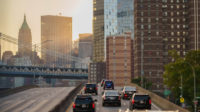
x=118 y=59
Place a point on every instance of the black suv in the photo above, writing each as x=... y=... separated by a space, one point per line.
x=108 y=85
x=111 y=97
x=140 y=101
x=128 y=91
x=91 y=88
x=84 y=103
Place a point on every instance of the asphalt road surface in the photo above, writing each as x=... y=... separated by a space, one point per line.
x=34 y=100
x=124 y=104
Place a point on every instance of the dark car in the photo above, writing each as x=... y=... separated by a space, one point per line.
x=128 y=91
x=102 y=82
x=108 y=85
x=140 y=101
x=91 y=88
x=84 y=103
x=111 y=97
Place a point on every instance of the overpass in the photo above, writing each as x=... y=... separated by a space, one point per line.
x=45 y=72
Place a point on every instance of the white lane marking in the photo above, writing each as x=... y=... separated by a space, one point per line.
x=127 y=110
x=156 y=106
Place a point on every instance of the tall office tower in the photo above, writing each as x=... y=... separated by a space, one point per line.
x=160 y=26
x=85 y=46
x=104 y=24
x=118 y=59
x=56 y=40
x=25 y=40
x=125 y=17
x=194 y=27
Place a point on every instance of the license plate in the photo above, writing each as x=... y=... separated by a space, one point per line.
x=130 y=92
x=141 y=102
x=84 y=106
x=112 y=98
x=90 y=88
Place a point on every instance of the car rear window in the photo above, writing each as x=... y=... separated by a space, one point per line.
x=83 y=99
x=90 y=85
x=109 y=82
x=111 y=93
x=130 y=89
x=141 y=97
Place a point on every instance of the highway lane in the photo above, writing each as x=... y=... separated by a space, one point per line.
x=34 y=100
x=124 y=104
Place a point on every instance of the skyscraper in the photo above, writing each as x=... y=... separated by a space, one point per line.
x=57 y=30
x=110 y=17
x=25 y=40
x=161 y=26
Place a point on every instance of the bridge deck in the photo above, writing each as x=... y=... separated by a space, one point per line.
x=34 y=100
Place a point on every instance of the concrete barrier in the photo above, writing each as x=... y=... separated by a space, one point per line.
x=65 y=103
x=16 y=90
x=159 y=101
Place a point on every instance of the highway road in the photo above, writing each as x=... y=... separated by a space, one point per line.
x=123 y=108
x=34 y=100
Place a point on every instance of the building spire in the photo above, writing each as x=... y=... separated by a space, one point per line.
x=24 y=25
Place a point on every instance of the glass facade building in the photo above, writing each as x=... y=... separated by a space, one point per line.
x=125 y=17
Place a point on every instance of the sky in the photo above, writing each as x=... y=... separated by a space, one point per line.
x=12 y=15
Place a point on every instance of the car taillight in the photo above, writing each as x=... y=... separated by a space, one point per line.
x=74 y=105
x=125 y=95
x=84 y=88
x=96 y=88
x=93 y=105
x=133 y=101
x=104 y=97
x=149 y=101
x=119 y=97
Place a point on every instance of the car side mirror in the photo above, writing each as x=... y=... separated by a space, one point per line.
x=95 y=100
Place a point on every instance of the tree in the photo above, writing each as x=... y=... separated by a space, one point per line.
x=183 y=67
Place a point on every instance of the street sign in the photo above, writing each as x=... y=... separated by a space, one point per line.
x=182 y=100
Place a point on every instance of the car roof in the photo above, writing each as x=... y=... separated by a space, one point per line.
x=141 y=94
x=83 y=96
x=111 y=91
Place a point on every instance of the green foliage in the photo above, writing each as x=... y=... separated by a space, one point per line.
x=183 y=67
x=147 y=84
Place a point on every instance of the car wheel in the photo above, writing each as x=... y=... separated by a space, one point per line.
x=149 y=107
x=103 y=104
x=130 y=108
x=96 y=93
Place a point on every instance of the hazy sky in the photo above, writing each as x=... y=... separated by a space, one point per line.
x=12 y=14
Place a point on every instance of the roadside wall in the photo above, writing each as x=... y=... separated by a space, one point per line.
x=159 y=101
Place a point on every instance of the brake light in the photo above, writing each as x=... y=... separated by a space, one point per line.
x=149 y=101
x=104 y=97
x=96 y=88
x=119 y=97
x=74 y=105
x=125 y=95
x=133 y=101
x=93 y=105
x=84 y=88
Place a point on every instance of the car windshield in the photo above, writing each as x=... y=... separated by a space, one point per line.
x=90 y=85
x=113 y=93
x=83 y=99
x=141 y=97
x=130 y=89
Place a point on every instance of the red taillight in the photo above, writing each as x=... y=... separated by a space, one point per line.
x=125 y=95
x=119 y=97
x=133 y=101
x=84 y=88
x=149 y=101
x=96 y=88
x=104 y=97
x=93 y=105
x=74 y=105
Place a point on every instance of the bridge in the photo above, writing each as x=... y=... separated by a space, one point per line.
x=45 y=72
